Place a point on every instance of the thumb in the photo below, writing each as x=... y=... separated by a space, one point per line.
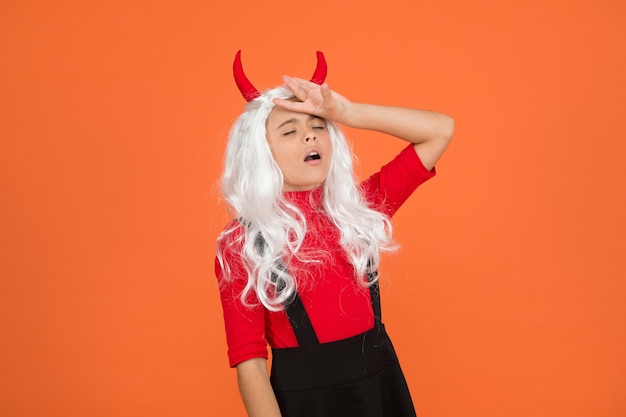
x=325 y=89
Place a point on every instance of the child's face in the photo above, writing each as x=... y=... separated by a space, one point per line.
x=301 y=147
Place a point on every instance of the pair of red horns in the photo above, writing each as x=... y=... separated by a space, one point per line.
x=249 y=92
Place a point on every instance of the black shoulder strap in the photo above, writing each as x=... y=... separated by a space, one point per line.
x=375 y=296
x=300 y=322
x=302 y=326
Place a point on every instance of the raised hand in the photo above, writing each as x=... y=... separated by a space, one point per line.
x=315 y=99
x=429 y=132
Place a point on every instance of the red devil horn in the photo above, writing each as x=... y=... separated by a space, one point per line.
x=248 y=91
x=320 y=71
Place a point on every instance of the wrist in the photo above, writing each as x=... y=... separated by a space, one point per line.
x=352 y=115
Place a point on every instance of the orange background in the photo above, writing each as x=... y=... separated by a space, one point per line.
x=508 y=296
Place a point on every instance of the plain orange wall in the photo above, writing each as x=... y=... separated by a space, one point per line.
x=508 y=296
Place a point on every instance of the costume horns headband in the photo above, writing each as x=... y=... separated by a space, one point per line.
x=249 y=92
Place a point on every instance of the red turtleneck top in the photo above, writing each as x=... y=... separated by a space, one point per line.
x=336 y=304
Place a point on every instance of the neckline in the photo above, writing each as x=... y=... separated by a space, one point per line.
x=314 y=196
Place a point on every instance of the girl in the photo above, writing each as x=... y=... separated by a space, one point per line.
x=298 y=267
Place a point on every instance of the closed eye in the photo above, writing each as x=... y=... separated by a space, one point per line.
x=289 y=133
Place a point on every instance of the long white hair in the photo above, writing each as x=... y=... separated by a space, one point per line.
x=270 y=230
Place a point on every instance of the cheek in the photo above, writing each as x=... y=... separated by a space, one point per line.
x=275 y=148
x=328 y=145
x=284 y=155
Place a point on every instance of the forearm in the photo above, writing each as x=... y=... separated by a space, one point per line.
x=429 y=132
x=256 y=390
x=412 y=125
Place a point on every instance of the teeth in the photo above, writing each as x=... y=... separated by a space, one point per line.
x=312 y=155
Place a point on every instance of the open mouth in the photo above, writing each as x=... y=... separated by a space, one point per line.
x=313 y=156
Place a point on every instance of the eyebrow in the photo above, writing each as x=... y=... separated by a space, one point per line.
x=293 y=120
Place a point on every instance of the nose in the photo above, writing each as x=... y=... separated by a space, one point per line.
x=310 y=136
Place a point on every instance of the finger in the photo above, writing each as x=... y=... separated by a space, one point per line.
x=297 y=86
x=299 y=81
x=327 y=93
x=290 y=105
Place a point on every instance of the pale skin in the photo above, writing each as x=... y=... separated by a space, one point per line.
x=429 y=132
x=301 y=146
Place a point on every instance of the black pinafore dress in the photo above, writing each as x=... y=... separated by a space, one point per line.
x=355 y=377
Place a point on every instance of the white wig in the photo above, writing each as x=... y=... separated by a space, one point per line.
x=273 y=228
